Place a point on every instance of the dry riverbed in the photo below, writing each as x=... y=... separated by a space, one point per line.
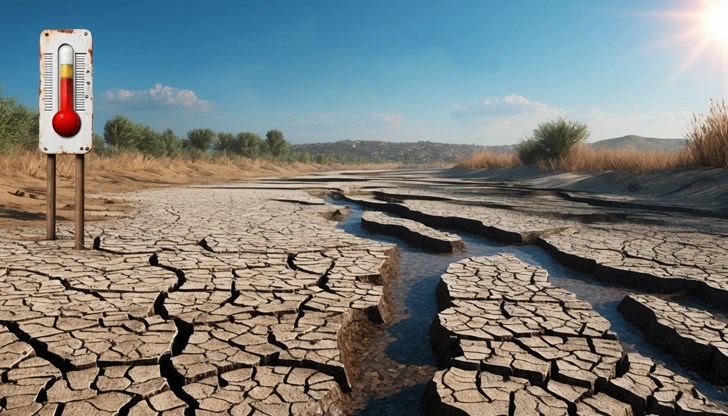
x=246 y=298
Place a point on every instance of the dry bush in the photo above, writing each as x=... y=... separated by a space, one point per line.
x=490 y=160
x=584 y=159
x=707 y=137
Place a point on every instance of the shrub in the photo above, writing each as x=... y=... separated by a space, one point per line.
x=18 y=126
x=707 y=137
x=555 y=138
x=529 y=151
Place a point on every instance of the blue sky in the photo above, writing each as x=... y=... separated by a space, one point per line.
x=483 y=72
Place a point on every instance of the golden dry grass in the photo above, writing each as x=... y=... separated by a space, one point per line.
x=23 y=180
x=584 y=159
x=490 y=160
x=708 y=137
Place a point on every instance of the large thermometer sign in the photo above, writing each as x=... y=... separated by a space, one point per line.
x=66 y=98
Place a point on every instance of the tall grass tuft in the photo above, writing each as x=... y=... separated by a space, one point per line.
x=490 y=160
x=582 y=158
x=707 y=137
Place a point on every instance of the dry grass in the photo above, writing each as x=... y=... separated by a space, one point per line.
x=34 y=163
x=490 y=160
x=708 y=137
x=584 y=159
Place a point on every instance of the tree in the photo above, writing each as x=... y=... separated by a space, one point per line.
x=247 y=144
x=150 y=141
x=277 y=145
x=170 y=142
x=121 y=134
x=97 y=142
x=201 y=139
x=18 y=125
x=224 y=143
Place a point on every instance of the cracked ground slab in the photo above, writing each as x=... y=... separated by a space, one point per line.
x=691 y=334
x=199 y=284
x=538 y=352
x=231 y=304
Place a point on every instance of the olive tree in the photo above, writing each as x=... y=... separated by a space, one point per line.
x=122 y=134
x=277 y=145
x=201 y=139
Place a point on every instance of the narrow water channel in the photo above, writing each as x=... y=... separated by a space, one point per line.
x=402 y=351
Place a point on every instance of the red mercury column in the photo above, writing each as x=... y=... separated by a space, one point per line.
x=66 y=122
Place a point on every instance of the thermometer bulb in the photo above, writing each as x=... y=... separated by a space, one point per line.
x=66 y=122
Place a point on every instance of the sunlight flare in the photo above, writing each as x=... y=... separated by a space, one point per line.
x=715 y=21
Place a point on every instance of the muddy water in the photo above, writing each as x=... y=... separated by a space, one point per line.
x=398 y=362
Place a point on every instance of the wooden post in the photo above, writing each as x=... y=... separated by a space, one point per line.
x=51 y=197
x=80 y=208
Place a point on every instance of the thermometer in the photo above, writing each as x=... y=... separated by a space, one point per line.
x=65 y=99
x=66 y=122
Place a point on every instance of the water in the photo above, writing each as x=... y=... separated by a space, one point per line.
x=405 y=344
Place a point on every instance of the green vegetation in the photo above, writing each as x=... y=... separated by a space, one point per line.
x=707 y=138
x=18 y=126
x=555 y=145
x=277 y=145
x=552 y=140
x=19 y=132
x=405 y=153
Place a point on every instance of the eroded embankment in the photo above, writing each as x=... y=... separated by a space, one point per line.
x=691 y=334
x=232 y=303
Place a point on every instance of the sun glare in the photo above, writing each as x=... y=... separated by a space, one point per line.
x=715 y=21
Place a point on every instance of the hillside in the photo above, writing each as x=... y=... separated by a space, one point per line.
x=430 y=153
x=632 y=142
x=406 y=153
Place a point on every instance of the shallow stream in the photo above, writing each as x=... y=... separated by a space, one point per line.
x=402 y=351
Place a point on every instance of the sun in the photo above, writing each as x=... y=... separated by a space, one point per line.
x=715 y=21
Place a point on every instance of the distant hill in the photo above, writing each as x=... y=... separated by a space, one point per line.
x=407 y=153
x=425 y=152
x=633 y=142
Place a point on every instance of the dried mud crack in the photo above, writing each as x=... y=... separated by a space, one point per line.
x=253 y=313
x=244 y=300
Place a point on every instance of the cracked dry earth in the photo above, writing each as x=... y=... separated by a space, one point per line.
x=246 y=300
x=201 y=302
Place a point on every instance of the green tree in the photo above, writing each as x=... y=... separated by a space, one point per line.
x=122 y=134
x=247 y=144
x=201 y=139
x=277 y=145
x=97 y=142
x=18 y=125
x=171 y=143
x=224 y=143
x=556 y=138
x=150 y=141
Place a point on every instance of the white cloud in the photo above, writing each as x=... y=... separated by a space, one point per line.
x=392 y=119
x=159 y=96
x=512 y=104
